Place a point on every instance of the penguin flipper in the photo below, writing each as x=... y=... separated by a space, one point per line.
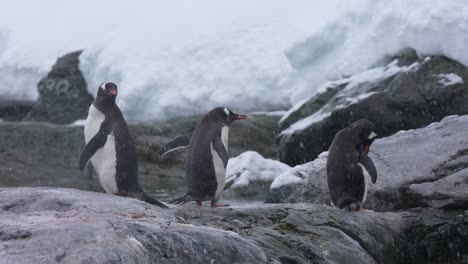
x=95 y=143
x=218 y=146
x=182 y=200
x=146 y=198
x=177 y=143
x=368 y=164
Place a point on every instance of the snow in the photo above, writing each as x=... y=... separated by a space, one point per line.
x=301 y=173
x=78 y=123
x=186 y=57
x=448 y=79
x=349 y=95
x=250 y=166
x=269 y=113
x=306 y=122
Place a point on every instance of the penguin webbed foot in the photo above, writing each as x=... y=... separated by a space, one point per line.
x=182 y=200
x=146 y=198
x=215 y=204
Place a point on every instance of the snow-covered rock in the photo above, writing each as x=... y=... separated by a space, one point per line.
x=249 y=175
x=422 y=167
x=405 y=93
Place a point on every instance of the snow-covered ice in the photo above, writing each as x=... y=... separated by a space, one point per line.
x=250 y=167
x=301 y=173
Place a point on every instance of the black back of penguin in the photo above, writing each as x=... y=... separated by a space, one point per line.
x=199 y=161
x=202 y=168
x=347 y=152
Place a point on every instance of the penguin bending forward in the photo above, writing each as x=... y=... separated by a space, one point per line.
x=207 y=156
x=110 y=147
x=348 y=166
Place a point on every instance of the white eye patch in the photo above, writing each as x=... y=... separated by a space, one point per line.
x=372 y=135
x=226 y=111
x=103 y=86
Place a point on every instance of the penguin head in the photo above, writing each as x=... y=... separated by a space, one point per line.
x=365 y=135
x=226 y=116
x=108 y=90
x=106 y=94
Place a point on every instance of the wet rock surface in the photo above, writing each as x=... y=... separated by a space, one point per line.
x=45 y=225
x=426 y=167
x=63 y=94
x=406 y=93
x=54 y=225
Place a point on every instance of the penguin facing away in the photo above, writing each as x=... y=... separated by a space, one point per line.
x=110 y=147
x=349 y=166
x=207 y=156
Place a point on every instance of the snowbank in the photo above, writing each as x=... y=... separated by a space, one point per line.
x=186 y=57
x=252 y=167
x=301 y=173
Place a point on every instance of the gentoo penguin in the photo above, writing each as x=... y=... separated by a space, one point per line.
x=110 y=147
x=207 y=157
x=348 y=166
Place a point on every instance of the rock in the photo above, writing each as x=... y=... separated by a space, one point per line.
x=310 y=233
x=45 y=225
x=406 y=93
x=426 y=167
x=14 y=110
x=249 y=176
x=63 y=94
x=40 y=154
x=54 y=225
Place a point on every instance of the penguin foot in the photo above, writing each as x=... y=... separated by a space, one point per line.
x=145 y=197
x=199 y=203
x=181 y=200
x=216 y=204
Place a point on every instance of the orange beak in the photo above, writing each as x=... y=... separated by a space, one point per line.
x=366 y=149
x=238 y=117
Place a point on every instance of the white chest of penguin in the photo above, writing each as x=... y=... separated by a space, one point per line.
x=220 y=170
x=105 y=158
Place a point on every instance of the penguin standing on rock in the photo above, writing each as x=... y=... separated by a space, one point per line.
x=206 y=156
x=349 y=167
x=110 y=147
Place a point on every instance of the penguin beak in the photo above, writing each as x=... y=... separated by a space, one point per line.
x=238 y=117
x=366 y=148
x=112 y=92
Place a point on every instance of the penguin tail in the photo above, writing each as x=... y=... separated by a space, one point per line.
x=182 y=200
x=146 y=198
x=349 y=204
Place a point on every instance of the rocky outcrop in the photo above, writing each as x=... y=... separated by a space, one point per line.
x=40 y=154
x=406 y=93
x=42 y=225
x=63 y=94
x=426 y=167
x=52 y=225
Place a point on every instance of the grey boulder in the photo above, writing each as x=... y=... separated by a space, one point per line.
x=63 y=94
x=46 y=225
